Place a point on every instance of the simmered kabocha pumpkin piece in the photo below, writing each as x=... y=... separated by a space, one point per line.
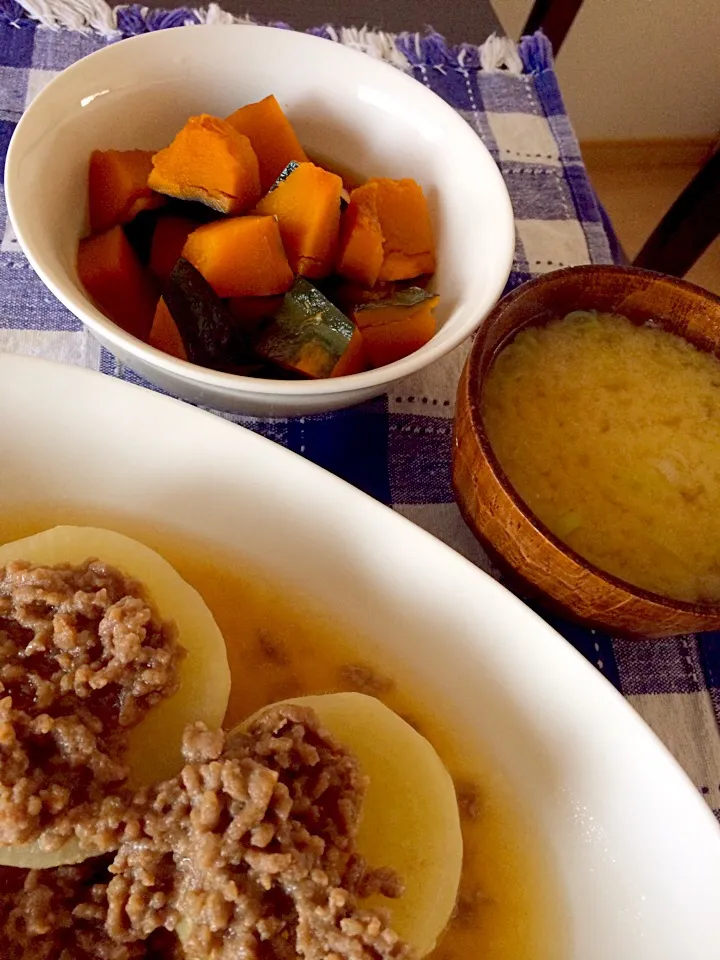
x=203 y=320
x=310 y=336
x=306 y=204
x=395 y=212
x=408 y=245
x=168 y=241
x=271 y=135
x=360 y=249
x=118 y=187
x=398 y=326
x=241 y=257
x=164 y=334
x=110 y=271
x=211 y=162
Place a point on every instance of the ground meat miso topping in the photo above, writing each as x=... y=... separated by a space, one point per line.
x=60 y=915
x=83 y=657
x=248 y=853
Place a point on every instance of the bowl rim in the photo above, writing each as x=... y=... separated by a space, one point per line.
x=476 y=420
x=80 y=305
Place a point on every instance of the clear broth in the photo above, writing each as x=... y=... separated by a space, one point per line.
x=510 y=907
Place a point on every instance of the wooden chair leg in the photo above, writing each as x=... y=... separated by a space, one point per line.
x=689 y=227
x=554 y=18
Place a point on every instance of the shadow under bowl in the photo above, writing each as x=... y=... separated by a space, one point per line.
x=539 y=564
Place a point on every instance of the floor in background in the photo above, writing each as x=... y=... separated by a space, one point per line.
x=636 y=199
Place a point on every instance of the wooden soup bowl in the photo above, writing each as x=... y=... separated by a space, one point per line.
x=540 y=565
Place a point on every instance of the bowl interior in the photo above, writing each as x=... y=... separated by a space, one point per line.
x=359 y=113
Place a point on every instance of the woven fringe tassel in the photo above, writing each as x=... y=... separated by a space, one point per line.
x=536 y=53
x=214 y=14
x=500 y=53
x=405 y=50
x=378 y=44
x=80 y=15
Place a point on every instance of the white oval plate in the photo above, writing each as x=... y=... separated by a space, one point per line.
x=638 y=850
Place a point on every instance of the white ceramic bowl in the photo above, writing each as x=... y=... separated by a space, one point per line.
x=363 y=114
x=636 y=848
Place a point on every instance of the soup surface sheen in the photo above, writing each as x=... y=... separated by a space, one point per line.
x=610 y=432
x=280 y=645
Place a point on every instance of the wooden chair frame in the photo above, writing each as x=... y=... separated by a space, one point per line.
x=693 y=222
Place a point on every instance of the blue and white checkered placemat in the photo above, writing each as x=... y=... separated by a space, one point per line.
x=396 y=448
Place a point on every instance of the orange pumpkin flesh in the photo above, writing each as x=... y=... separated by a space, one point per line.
x=111 y=273
x=389 y=216
x=118 y=187
x=211 y=162
x=395 y=328
x=271 y=135
x=168 y=240
x=164 y=334
x=306 y=205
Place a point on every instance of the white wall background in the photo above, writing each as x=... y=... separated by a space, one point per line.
x=637 y=69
